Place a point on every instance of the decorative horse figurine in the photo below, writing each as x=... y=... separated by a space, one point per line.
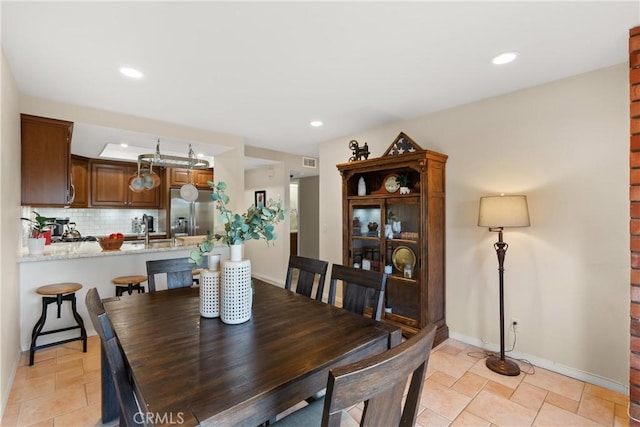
x=357 y=151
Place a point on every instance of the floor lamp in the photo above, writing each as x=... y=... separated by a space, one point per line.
x=498 y=213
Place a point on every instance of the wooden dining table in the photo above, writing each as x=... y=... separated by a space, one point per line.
x=191 y=370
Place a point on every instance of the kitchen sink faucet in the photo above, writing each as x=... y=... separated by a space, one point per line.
x=145 y=221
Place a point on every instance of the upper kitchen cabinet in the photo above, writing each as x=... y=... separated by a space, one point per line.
x=46 y=165
x=110 y=186
x=199 y=177
x=79 y=181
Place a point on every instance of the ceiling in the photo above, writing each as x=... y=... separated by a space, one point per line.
x=263 y=70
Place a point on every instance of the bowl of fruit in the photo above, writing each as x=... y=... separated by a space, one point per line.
x=112 y=242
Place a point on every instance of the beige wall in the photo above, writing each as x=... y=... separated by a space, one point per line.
x=565 y=145
x=268 y=262
x=10 y=232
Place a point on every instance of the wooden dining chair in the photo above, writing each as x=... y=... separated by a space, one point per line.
x=130 y=414
x=178 y=271
x=308 y=269
x=378 y=381
x=360 y=289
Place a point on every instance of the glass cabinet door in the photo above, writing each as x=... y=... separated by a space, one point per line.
x=365 y=237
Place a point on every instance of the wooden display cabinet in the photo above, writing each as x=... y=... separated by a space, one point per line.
x=404 y=232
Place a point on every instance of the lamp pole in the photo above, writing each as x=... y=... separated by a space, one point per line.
x=500 y=364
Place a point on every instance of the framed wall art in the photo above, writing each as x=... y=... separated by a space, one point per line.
x=261 y=197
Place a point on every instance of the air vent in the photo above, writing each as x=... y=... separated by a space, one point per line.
x=309 y=162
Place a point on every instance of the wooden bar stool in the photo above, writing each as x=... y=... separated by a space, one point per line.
x=56 y=293
x=129 y=284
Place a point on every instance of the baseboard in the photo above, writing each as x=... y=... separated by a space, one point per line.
x=549 y=365
x=9 y=384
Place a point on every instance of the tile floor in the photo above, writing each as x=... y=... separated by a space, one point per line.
x=63 y=389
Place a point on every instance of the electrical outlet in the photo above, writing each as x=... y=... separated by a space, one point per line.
x=516 y=325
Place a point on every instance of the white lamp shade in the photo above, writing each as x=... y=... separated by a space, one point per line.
x=503 y=211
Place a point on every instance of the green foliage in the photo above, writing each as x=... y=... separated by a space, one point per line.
x=256 y=223
x=38 y=225
x=403 y=180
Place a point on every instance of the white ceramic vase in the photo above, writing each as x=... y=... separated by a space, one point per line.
x=210 y=293
x=236 y=294
x=36 y=245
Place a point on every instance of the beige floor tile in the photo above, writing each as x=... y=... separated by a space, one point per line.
x=442 y=400
x=444 y=379
x=467 y=419
x=498 y=389
x=481 y=369
x=33 y=388
x=69 y=377
x=559 y=384
x=44 y=354
x=43 y=423
x=621 y=422
x=550 y=415
x=596 y=409
x=42 y=368
x=529 y=396
x=429 y=418
x=91 y=363
x=10 y=415
x=52 y=405
x=606 y=394
x=451 y=347
x=88 y=416
x=21 y=376
x=563 y=402
x=94 y=392
x=450 y=365
x=500 y=411
x=621 y=410
x=470 y=384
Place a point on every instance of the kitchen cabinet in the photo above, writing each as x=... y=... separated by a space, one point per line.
x=110 y=186
x=199 y=177
x=45 y=163
x=79 y=181
x=401 y=232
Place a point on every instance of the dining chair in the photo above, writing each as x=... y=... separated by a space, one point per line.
x=378 y=381
x=308 y=269
x=129 y=409
x=178 y=271
x=360 y=288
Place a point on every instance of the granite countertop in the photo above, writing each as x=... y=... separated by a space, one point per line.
x=74 y=250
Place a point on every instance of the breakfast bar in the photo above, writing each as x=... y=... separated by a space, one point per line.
x=87 y=264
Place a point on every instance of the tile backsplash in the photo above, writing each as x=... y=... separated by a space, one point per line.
x=98 y=222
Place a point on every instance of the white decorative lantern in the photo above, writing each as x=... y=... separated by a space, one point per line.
x=210 y=293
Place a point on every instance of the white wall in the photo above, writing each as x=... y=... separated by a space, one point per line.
x=269 y=262
x=9 y=230
x=565 y=145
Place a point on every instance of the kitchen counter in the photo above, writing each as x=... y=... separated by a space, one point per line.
x=87 y=264
x=72 y=250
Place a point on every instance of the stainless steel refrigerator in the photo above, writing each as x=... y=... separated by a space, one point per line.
x=191 y=218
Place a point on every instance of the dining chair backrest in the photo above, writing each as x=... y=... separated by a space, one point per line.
x=308 y=269
x=380 y=382
x=360 y=289
x=129 y=409
x=178 y=271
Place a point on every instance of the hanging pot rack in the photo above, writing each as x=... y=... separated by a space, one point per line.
x=157 y=159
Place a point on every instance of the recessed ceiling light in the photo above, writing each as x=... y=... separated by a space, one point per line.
x=124 y=145
x=131 y=72
x=504 y=58
x=316 y=123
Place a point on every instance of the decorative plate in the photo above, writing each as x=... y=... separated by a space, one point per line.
x=403 y=255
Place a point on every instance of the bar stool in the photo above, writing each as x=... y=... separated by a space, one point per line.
x=196 y=276
x=129 y=284
x=61 y=292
